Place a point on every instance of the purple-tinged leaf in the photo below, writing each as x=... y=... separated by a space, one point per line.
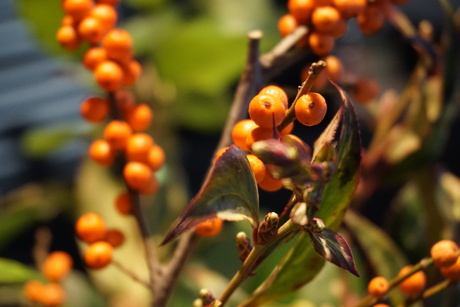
x=229 y=192
x=332 y=247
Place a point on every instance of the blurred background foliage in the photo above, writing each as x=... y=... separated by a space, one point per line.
x=193 y=53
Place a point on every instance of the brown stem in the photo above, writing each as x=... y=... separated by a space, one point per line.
x=131 y=274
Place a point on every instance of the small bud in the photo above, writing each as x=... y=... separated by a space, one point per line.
x=316 y=225
x=206 y=297
x=299 y=214
x=243 y=245
x=268 y=228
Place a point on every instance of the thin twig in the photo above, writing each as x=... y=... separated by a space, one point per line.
x=131 y=274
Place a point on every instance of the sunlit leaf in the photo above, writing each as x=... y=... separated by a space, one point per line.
x=15 y=272
x=301 y=264
x=332 y=246
x=230 y=192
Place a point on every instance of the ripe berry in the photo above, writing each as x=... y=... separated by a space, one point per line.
x=310 y=109
x=117 y=133
x=266 y=109
x=98 y=255
x=139 y=117
x=365 y=90
x=258 y=134
x=319 y=43
x=33 y=290
x=93 y=57
x=138 y=146
x=257 y=167
x=325 y=18
x=378 y=286
x=301 y=9
x=131 y=72
x=78 y=9
x=414 y=284
x=156 y=157
x=68 y=37
x=269 y=183
x=276 y=91
x=452 y=272
x=114 y=237
x=90 y=29
x=371 y=20
x=109 y=75
x=123 y=204
x=106 y=14
x=445 y=253
x=151 y=188
x=350 y=8
x=118 y=44
x=287 y=24
x=109 y=2
x=94 y=109
x=137 y=175
x=240 y=132
x=334 y=68
x=210 y=228
x=101 y=153
x=90 y=227
x=53 y=294
x=56 y=265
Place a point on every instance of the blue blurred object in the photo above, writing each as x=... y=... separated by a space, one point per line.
x=34 y=93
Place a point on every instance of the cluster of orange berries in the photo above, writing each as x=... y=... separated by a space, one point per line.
x=91 y=228
x=328 y=20
x=446 y=257
x=266 y=109
x=55 y=267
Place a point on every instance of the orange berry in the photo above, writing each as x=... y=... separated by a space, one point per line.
x=139 y=117
x=240 y=132
x=265 y=109
x=98 y=255
x=118 y=44
x=334 y=68
x=68 y=20
x=109 y=75
x=414 y=284
x=287 y=24
x=156 y=157
x=125 y=101
x=56 y=265
x=109 y=2
x=53 y=294
x=340 y=30
x=378 y=286
x=445 y=253
x=350 y=8
x=90 y=227
x=33 y=290
x=78 y=9
x=114 y=237
x=151 y=188
x=131 y=72
x=365 y=90
x=325 y=18
x=117 y=133
x=269 y=183
x=106 y=14
x=451 y=272
x=67 y=36
x=381 y=305
x=319 y=43
x=371 y=20
x=93 y=57
x=101 y=153
x=276 y=91
x=123 y=204
x=288 y=129
x=318 y=3
x=310 y=109
x=137 y=175
x=258 y=134
x=90 y=30
x=301 y=10
x=209 y=228
x=138 y=146
x=94 y=109
x=257 y=167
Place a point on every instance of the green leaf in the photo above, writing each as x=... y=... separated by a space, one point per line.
x=15 y=272
x=302 y=264
x=229 y=192
x=332 y=247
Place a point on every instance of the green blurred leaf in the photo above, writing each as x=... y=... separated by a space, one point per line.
x=16 y=272
x=230 y=192
x=302 y=263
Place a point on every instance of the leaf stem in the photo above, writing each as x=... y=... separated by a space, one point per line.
x=253 y=259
